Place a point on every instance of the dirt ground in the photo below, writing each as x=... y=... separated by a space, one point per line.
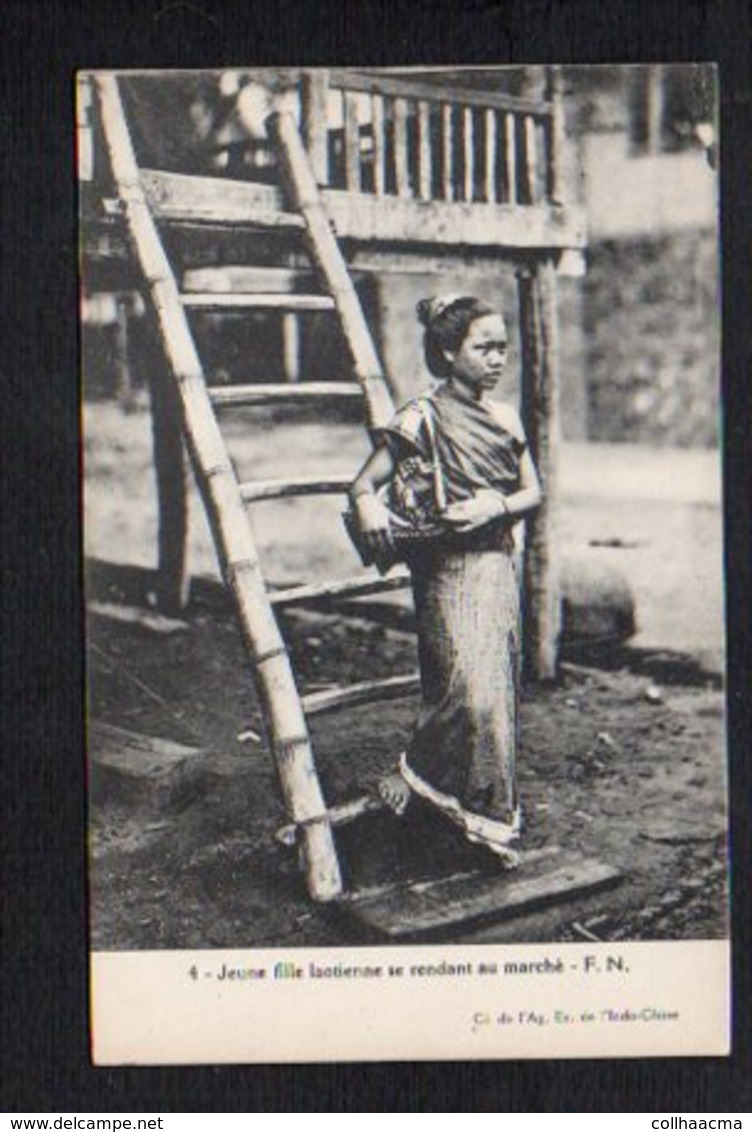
x=622 y=760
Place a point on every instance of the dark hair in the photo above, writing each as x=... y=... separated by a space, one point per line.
x=447 y=322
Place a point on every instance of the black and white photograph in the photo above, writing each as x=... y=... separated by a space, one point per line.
x=403 y=544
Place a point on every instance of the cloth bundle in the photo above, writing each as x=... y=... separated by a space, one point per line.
x=415 y=498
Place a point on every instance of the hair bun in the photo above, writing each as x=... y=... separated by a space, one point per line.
x=429 y=310
x=423 y=311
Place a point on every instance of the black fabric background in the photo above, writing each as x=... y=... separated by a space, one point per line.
x=45 y=1059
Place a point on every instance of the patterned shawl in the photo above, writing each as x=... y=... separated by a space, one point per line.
x=474 y=448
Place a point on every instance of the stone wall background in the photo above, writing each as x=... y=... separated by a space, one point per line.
x=651 y=340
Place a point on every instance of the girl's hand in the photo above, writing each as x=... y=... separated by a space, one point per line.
x=373 y=520
x=484 y=507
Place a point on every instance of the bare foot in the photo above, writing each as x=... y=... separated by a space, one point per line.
x=507 y=857
x=395 y=792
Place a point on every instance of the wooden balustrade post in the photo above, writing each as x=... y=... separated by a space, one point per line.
x=510 y=158
x=468 y=145
x=530 y=152
x=532 y=87
x=379 y=145
x=425 y=159
x=401 y=164
x=541 y=415
x=654 y=97
x=555 y=137
x=314 y=92
x=491 y=188
x=352 y=142
x=291 y=346
x=447 y=151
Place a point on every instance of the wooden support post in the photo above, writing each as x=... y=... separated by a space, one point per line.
x=171 y=472
x=540 y=410
x=314 y=91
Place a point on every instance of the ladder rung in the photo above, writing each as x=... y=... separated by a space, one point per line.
x=336 y=815
x=357 y=586
x=267 y=301
x=367 y=692
x=208 y=218
x=304 y=485
x=290 y=392
x=240 y=277
x=184 y=198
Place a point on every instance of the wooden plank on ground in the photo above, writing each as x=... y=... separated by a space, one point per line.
x=134 y=769
x=472 y=898
x=133 y=615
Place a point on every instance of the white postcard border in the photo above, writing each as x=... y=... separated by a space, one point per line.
x=446 y=1002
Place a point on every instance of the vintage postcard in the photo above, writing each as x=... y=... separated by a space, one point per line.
x=403 y=541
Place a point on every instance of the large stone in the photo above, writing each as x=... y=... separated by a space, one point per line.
x=597 y=602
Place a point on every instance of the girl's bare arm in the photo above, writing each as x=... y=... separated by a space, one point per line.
x=377 y=470
x=373 y=516
x=528 y=496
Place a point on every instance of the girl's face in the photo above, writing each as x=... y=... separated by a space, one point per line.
x=481 y=359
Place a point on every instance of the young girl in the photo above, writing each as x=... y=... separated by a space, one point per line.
x=470 y=477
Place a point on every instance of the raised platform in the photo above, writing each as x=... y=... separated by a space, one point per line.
x=178 y=197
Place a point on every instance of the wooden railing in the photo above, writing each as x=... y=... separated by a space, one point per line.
x=385 y=136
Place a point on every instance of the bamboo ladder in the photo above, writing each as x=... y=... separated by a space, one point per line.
x=225 y=498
